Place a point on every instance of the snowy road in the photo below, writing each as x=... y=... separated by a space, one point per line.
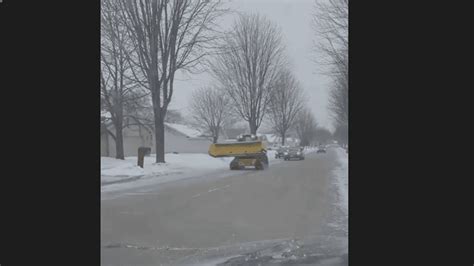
x=169 y=223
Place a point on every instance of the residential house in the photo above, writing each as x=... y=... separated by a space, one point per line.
x=275 y=140
x=178 y=138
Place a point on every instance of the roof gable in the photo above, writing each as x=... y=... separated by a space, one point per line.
x=183 y=130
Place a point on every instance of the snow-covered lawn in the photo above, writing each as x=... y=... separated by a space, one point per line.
x=341 y=174
x=113 y=170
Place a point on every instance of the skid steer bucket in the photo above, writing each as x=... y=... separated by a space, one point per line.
x=247 y=150
x=236 y=149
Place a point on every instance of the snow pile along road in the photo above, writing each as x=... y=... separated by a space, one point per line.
x=115 y=171
x=114 y=167
x=177 y=166
x=310 y=149
x=341 y=175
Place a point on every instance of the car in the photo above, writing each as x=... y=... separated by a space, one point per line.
x=321 y=149
x=280 y=151
x=293 y=152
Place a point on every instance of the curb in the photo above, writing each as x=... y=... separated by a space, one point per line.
x=133 y=178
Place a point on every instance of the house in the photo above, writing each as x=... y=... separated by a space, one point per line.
x=274 y=139
x=178 y=138
x=270 y=139
x=232 y=133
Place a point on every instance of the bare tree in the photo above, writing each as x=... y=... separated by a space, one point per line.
x=286 y=102
x=322 y=135
x=210 y=108
x=339 y=101
x=341 y=134
x=121 y=97
x=305 y=126
x=247 y=66
x=331 y=24
x=168 y=36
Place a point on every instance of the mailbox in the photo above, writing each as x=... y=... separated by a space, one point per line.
x=142 y=151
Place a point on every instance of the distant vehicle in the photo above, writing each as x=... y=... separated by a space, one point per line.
x=321 y=149
x=280 y=151
x=293 y=152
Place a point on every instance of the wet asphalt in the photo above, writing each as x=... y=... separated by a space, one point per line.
x=284 y=215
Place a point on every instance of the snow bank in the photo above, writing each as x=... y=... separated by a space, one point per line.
x=115 y=167
x=309 y=149
x=271 y=155
x=114 y=170
x=177 y=166
x=194 y=161
x=341 y=174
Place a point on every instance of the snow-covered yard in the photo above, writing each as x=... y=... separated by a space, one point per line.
x=115 y=171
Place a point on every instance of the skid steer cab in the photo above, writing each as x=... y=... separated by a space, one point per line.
x=247 y=150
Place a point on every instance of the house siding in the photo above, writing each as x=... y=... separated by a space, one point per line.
x=174 y=142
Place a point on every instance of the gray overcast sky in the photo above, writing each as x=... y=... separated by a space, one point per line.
x=294 y=19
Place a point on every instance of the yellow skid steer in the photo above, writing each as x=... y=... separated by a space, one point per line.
x=248 y=150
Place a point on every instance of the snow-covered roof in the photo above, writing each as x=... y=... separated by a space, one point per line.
x=271 y=137
x=185 y=130
x=274 y=138
x=180 y=128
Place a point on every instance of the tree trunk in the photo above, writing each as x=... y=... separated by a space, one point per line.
x=215 y=133
x=216 y=136
x=160 y=139
x=119 y=154
x=107 y=151
x=159 y=122
x=283 y=138
x=253 y=127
